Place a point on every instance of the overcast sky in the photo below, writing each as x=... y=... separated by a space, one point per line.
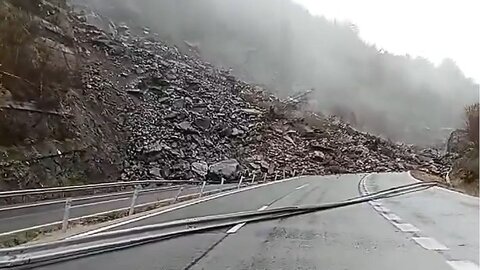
x=434 y=29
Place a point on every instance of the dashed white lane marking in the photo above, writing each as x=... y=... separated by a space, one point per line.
x=429 y=243
x=425 y=242
x=205 y=199
x=302 y=186
x=391 y=217
x=383 y=209
x=373 y=203
x=406 y=227
x=262 y=208
x=237 y=227
x=463 y=265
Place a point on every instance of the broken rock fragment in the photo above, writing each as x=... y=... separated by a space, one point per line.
x=226 y=169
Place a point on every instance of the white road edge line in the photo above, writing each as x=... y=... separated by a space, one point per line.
x=30 y=228
x=463 y=265
x=237 y=227
x=470 y=197
x=100 y=202
x=179 y=207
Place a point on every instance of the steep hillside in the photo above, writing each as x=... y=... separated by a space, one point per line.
x=53 y=130
x=84 y=104
x=278 y=44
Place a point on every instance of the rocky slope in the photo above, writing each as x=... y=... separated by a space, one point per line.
x=142 y=109
x=190 y=115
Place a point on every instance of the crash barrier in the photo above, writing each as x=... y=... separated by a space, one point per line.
x=52 y=252
x=134 y=207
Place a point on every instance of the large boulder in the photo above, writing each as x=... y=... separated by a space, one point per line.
x=458 y=142
x=200 y=168
x=226 y=169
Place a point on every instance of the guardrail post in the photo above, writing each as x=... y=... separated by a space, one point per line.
x=265 y=177
x=203 y=188
x=221 y=184
x=253 y=178
x=134 y=201
x=276 y=176
x=240 y=182
x=294 y=172
x=178 y=195
x=66 y=214
x=284 y=174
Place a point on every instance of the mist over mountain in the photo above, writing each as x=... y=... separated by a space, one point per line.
x=280 y=45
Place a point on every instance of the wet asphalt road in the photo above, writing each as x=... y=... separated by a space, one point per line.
x=355 y=237
x=16 y=219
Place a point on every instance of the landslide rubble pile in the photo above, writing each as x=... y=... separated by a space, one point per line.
x=194 y=121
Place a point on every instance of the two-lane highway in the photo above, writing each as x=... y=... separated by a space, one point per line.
x=18 y=217
x=354 y=237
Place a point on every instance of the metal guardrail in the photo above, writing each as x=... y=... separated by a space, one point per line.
x=133 y=205
x=26 y=192
x=37 y=191
x=46 y=253
x=17 y=206
x=65 y=222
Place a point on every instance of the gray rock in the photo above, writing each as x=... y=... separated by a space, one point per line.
x=458 y=142
x=254 y=166
x=203 y=123
x=201 y=168
x=318 y=155
x=252 y=111
x=186 y=126
x=237 y=132
x=264 y=164
x=226 y=169
x=155 y=172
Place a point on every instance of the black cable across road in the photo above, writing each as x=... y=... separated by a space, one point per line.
x=52 y=252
